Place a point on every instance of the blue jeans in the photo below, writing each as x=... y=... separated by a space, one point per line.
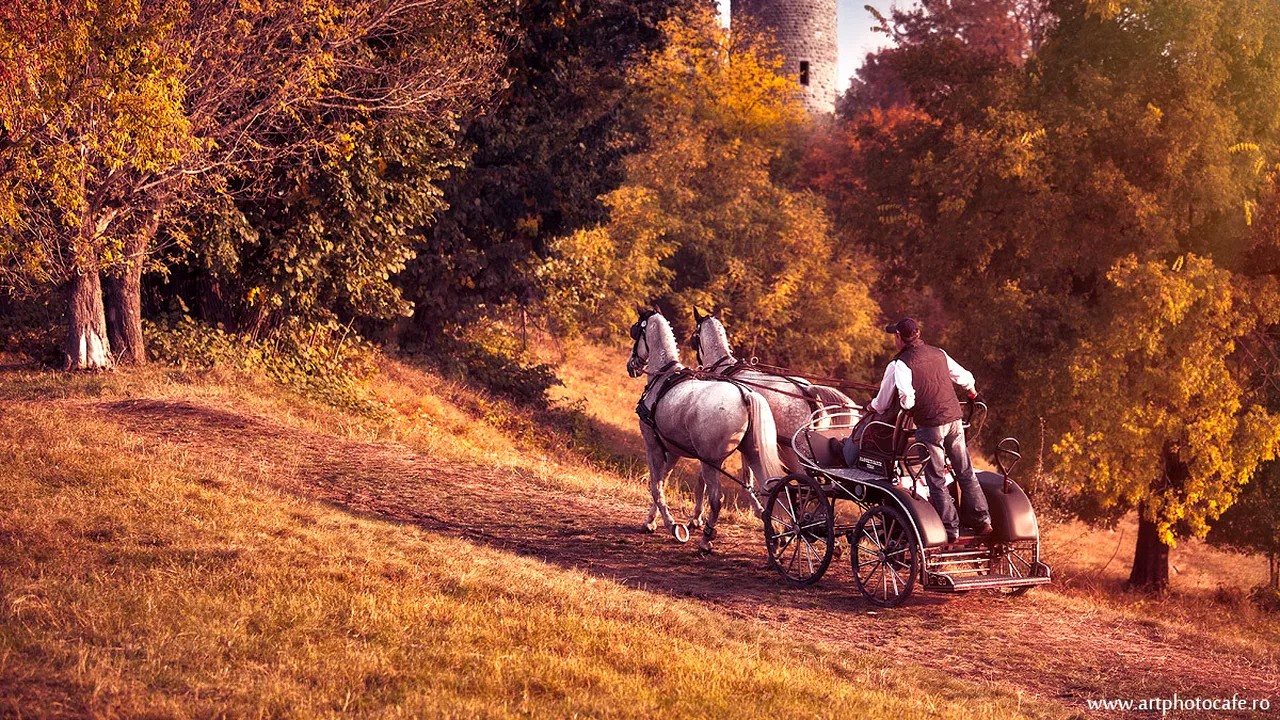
x=943 y=443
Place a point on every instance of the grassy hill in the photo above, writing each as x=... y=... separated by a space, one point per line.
x=139 y=579
x=177 y=544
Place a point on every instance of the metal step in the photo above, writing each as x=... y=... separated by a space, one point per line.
x=983 y=582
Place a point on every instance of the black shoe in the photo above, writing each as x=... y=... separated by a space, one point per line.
x=982 y=527
x=952 y=536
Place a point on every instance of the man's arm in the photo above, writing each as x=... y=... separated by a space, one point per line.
x=897 y=378
x=960 y=376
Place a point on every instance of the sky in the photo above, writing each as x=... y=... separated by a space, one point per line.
x=854 y=29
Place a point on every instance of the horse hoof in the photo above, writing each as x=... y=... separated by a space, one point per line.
x=695 y=523
x=649 y=528
x=705 y=547
x=680 y=532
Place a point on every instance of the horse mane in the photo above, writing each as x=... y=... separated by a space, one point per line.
x=721 y=337
x=662 y=343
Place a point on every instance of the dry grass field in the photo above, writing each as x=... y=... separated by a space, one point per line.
x=141 y=579
x=175 y=544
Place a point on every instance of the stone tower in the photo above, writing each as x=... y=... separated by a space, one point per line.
x=806 y=35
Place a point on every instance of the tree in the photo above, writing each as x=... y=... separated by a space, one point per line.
x=705 y=216
x=93 y=97
x=1154 y=411
x=542 y=157
x=131 y=105
x=1058 y=193
x=1252 y=524
x=946 y=43
x=323 y=240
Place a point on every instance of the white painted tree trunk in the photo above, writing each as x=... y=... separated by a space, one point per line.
x=86 y=346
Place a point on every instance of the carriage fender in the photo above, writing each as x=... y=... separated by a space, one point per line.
x=928 y=525
x=1012 y=517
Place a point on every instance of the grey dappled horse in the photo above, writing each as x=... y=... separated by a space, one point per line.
x=704 y=419
x=791 y=400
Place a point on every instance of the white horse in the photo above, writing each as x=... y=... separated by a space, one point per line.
x=682 y=416
x=792 y=400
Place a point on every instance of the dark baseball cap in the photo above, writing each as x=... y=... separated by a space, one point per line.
x=906 y=328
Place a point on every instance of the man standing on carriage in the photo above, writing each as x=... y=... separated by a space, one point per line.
x=921 y=377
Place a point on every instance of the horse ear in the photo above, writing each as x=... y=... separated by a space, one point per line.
x=698 y=317
x=716 y=313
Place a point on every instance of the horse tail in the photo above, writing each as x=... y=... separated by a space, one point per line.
x=763 y=435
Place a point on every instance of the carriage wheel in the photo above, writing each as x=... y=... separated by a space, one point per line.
x=885 y=557
x=799 y=529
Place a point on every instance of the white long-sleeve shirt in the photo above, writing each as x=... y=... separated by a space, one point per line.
x=897 y=376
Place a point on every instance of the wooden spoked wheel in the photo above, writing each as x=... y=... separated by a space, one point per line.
x=885 y=557
x=799 y=529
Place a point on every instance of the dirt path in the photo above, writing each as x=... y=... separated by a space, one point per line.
x=1035 y=644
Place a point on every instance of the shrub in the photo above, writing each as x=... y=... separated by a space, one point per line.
x=322 y=361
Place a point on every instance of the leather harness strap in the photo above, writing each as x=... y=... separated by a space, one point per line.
x=739 y=367
x=822 y=379
x=649 y=414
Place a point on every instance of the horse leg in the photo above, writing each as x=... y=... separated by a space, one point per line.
x=711 y=478
x=753 y=485
x=660 y=465
x=698 y=492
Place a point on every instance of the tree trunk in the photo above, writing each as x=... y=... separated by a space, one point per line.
x=87 y=347
x=1274 y=579
x=124 y=314
x=1150 y=558
x=124 y=293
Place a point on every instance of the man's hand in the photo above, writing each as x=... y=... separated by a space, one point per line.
x=973 y=394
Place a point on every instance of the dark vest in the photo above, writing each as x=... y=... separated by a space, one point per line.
x=936 y=402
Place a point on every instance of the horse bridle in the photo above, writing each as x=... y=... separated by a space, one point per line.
x=638 y=334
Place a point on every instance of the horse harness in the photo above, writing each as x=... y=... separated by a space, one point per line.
x=674 y=377
x=728 y=366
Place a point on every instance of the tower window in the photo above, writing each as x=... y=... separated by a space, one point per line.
x=804 y=72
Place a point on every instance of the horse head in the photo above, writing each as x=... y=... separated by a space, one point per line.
x=639 y=359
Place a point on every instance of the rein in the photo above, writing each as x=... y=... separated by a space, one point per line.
x=740 y=366
x=821 y=379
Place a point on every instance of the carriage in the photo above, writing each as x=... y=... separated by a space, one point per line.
x=879 y=508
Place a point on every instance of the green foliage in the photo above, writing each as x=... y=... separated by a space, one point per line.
x=322 y=241
x=703 y=217
x=542 y=156
x=1150 y=406
x=325 y=362
x=92 y=96
x=29 y=328
x=494 y=359
x=1252 y=524
x=118 y=114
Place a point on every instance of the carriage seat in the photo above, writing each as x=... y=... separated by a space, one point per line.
x=889 y=441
